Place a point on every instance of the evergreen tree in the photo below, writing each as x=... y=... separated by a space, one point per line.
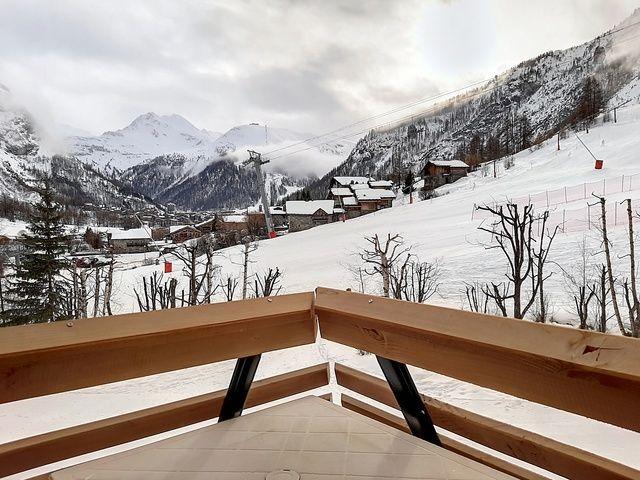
x=409 y=180
x=493 y=148
x=591 y=101
x=525 y=133
x=35 y=293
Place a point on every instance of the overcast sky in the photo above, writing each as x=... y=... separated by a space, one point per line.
x=304 y=65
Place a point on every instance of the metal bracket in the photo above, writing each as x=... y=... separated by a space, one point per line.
x=409 y=400
x=238 y=390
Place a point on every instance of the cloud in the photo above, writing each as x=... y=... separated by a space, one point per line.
x=304 y=65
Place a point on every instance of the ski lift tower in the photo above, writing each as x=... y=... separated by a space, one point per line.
x=255 y=159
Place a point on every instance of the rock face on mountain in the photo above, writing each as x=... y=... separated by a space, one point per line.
x=24 y=156
x=528 y=102
x=222 y=184
x=216 y=179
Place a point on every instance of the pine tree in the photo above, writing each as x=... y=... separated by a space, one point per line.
x=409 y=181
x=591 y=101
x=35 y=293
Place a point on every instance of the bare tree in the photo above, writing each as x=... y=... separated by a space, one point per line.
x=631 y=294
x=381 y=257
x=228 y=287
x=156 y=293
x=580 y=283
x=475 y=298
x=267 y=284
x=600 y=291
x=96 y=290
x=211 y=269
x=358 y=275
x=629 y=286
x=512 y=233
x=415 y=281
x=108 y=287
x=500 y=294
x=249 y=246
x=198 y=267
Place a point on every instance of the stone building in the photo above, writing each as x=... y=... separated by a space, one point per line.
x=308 y=214
x=134 y=240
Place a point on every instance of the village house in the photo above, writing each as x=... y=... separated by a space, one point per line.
x=207 y=226
x=348 y=181
x=182 y=233
x=356 y=196
x=436 y=173
x=278 y=217
x=373 y=199
x=134 y=240
x=381 y=184
x=351 y=207
x=159 y=233
x=227 y=222
x=308 y=214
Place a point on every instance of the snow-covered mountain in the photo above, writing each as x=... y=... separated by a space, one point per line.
x=146 y=137
x=525 y=104
x=25 y=153
x=169 y=159
x=216 y=179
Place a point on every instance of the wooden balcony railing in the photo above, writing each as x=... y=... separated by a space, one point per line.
x=591 y=374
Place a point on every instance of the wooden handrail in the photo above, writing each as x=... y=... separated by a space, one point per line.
x=447 y=442
x=548 y=454
x=43 y=359
x=591 y=374
x=32 y=452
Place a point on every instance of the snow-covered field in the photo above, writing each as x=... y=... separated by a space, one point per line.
x=441 y=229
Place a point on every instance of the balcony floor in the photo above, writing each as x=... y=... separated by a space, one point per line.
x=315 y=438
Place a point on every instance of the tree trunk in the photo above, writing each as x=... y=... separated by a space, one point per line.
x=607 y=251
x=634 y=317
x=384 y=270
x=82 y=294
x=245 y=266
x=96 y=293
x=108 y=286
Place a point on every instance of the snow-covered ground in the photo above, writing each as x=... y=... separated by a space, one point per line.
x=442 y=229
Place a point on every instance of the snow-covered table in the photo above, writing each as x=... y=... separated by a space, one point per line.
x=308 y=439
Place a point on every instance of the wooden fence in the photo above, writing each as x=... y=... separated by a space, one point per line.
x=591 y=374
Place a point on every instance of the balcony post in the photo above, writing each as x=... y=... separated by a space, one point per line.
x=241 y=380
x=411 y=404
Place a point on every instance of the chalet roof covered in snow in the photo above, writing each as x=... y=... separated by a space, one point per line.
x=359 y=186
x=300 y=207
x=349 y=201
x=175 y=228
x=341 y=192
x=202 y=224
x=448 y=163
x=381 y=184
x=374 y=194
x=132 y=234
x=234 y=218
x=276 y=210
x=346 y=181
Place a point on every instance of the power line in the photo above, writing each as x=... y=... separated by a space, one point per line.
x=413 y=104
x=383 y=114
